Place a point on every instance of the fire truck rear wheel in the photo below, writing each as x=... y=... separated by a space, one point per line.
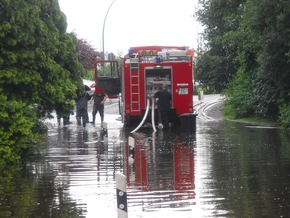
x=126 y=122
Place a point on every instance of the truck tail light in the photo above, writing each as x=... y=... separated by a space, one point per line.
x=190 y=108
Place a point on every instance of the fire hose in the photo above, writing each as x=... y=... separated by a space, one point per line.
x=153 y=115
x=145 y=116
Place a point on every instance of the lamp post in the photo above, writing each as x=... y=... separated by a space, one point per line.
x=103 y=36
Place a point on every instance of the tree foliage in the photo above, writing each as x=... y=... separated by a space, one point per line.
x=248 y=53
x=39 y=71
x=87 y=54
x=217 y=64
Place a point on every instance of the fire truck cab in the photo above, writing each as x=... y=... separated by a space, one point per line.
x=144 y=70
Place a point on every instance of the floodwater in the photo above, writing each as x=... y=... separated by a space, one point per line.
x=225 y=169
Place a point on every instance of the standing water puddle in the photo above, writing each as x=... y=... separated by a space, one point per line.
x=225 y=169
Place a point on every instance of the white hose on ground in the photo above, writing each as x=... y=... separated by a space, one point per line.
x=144 y=118
x=153 y=115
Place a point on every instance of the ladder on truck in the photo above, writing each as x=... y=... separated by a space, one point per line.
x=135 y=84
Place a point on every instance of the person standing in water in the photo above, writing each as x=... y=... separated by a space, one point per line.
x=99 y=101
x=164 y=104
x=82 y=107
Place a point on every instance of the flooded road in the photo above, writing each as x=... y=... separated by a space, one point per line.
x=226 y=169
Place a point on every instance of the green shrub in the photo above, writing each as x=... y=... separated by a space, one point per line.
x=240 y=102
x=285 y=115
x=16 y=137
x=89 y=75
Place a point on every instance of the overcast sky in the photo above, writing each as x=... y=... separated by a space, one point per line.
x=132 y=22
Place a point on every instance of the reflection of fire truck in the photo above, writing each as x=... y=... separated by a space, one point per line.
x=166 y=170
x=145 y=70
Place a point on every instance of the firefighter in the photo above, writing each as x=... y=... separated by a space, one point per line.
x=99 y=100
x=65 y=118
x=82 y=106
x=164 y=104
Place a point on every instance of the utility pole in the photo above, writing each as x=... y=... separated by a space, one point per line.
x=103 y=36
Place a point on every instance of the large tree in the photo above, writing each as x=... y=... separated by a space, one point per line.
x=264 y=61
x=87 y=54
x=247 y=52
x=217 y=63
x=39 y=71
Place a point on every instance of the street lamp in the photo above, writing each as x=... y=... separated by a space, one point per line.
x=103 y=36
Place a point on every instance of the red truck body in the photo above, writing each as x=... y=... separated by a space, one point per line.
x=141 y=74
x=144 y=71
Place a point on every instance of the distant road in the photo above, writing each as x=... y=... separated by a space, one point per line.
x=209 y=107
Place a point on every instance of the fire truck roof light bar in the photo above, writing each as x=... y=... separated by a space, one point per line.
x=147 y=54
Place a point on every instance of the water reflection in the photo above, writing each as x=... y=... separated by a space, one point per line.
x=28 y=193
x=89 y=163
x=243 y=171
x=160 y=171
x=225 y=169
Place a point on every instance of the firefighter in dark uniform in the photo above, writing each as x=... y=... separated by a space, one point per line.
x=82 y=106
x=99 y=100
x=164 y=104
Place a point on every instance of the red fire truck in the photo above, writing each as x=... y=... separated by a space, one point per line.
x=143 y=71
